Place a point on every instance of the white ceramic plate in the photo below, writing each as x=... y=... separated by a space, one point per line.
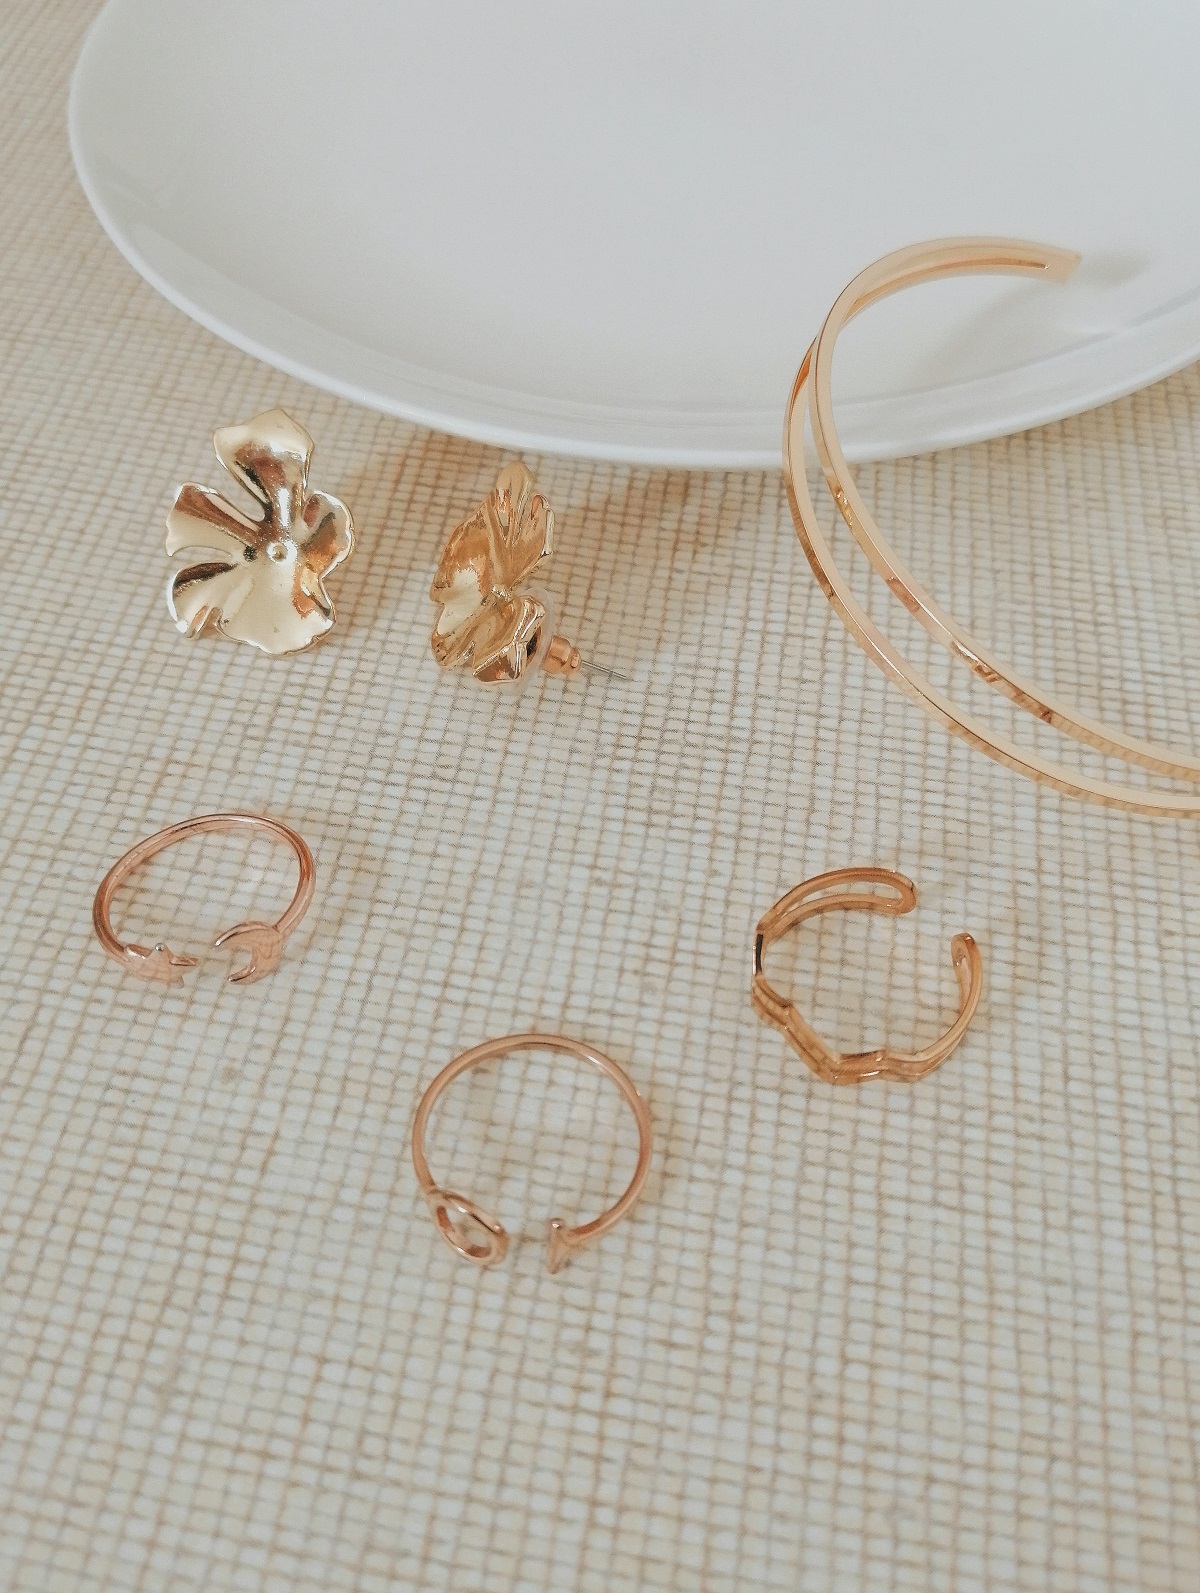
x=612 y=228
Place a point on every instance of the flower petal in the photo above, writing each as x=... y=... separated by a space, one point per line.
x=508 y=636
x=455 y=632
x=309 y=594
x=326 y=534
x=270 y=456
x=261 y=602
x=199 y=595
x=521 y=523
x=276 y=614
x=466 y=563
x=200 y=518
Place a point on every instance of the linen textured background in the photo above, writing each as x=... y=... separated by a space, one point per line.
x=940 y=1337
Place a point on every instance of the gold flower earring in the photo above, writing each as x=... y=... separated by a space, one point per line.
x=486 y=625
x=259 y=581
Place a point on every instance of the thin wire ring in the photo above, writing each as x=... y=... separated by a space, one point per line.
x=487 y=1241
x=826 y=893
x=811 y=398
x=263 y=941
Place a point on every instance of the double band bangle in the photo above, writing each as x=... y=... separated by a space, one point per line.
x=812 y=398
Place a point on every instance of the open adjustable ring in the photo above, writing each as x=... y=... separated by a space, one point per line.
x=812 y=399
x=264 y=942
x=827 y=893
x=474 y=1233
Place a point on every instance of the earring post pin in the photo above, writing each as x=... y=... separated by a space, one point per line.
x=563 y=658
x=603 y=669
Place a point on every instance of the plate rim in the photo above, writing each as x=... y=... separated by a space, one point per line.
x=890 y=423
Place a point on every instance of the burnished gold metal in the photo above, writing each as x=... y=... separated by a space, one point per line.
x=264 y=942
x=474 y=1233
x=834 y=892
x=561 y=658
x=812 y=401
x=259 y=581
x=486 y=623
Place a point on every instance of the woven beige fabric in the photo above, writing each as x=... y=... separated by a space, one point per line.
x=943 y=1337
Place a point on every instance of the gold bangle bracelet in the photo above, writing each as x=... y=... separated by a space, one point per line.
x=812 y=397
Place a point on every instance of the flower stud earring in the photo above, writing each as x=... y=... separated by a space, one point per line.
x=486 y=625
x=259 y=581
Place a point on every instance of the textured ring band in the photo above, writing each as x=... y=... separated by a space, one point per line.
x=811 y=398
x=833 y=892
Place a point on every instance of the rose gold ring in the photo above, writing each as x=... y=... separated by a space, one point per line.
x=472 y=1232
x=264 y=942
x=826 y=893
x=812 y=399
